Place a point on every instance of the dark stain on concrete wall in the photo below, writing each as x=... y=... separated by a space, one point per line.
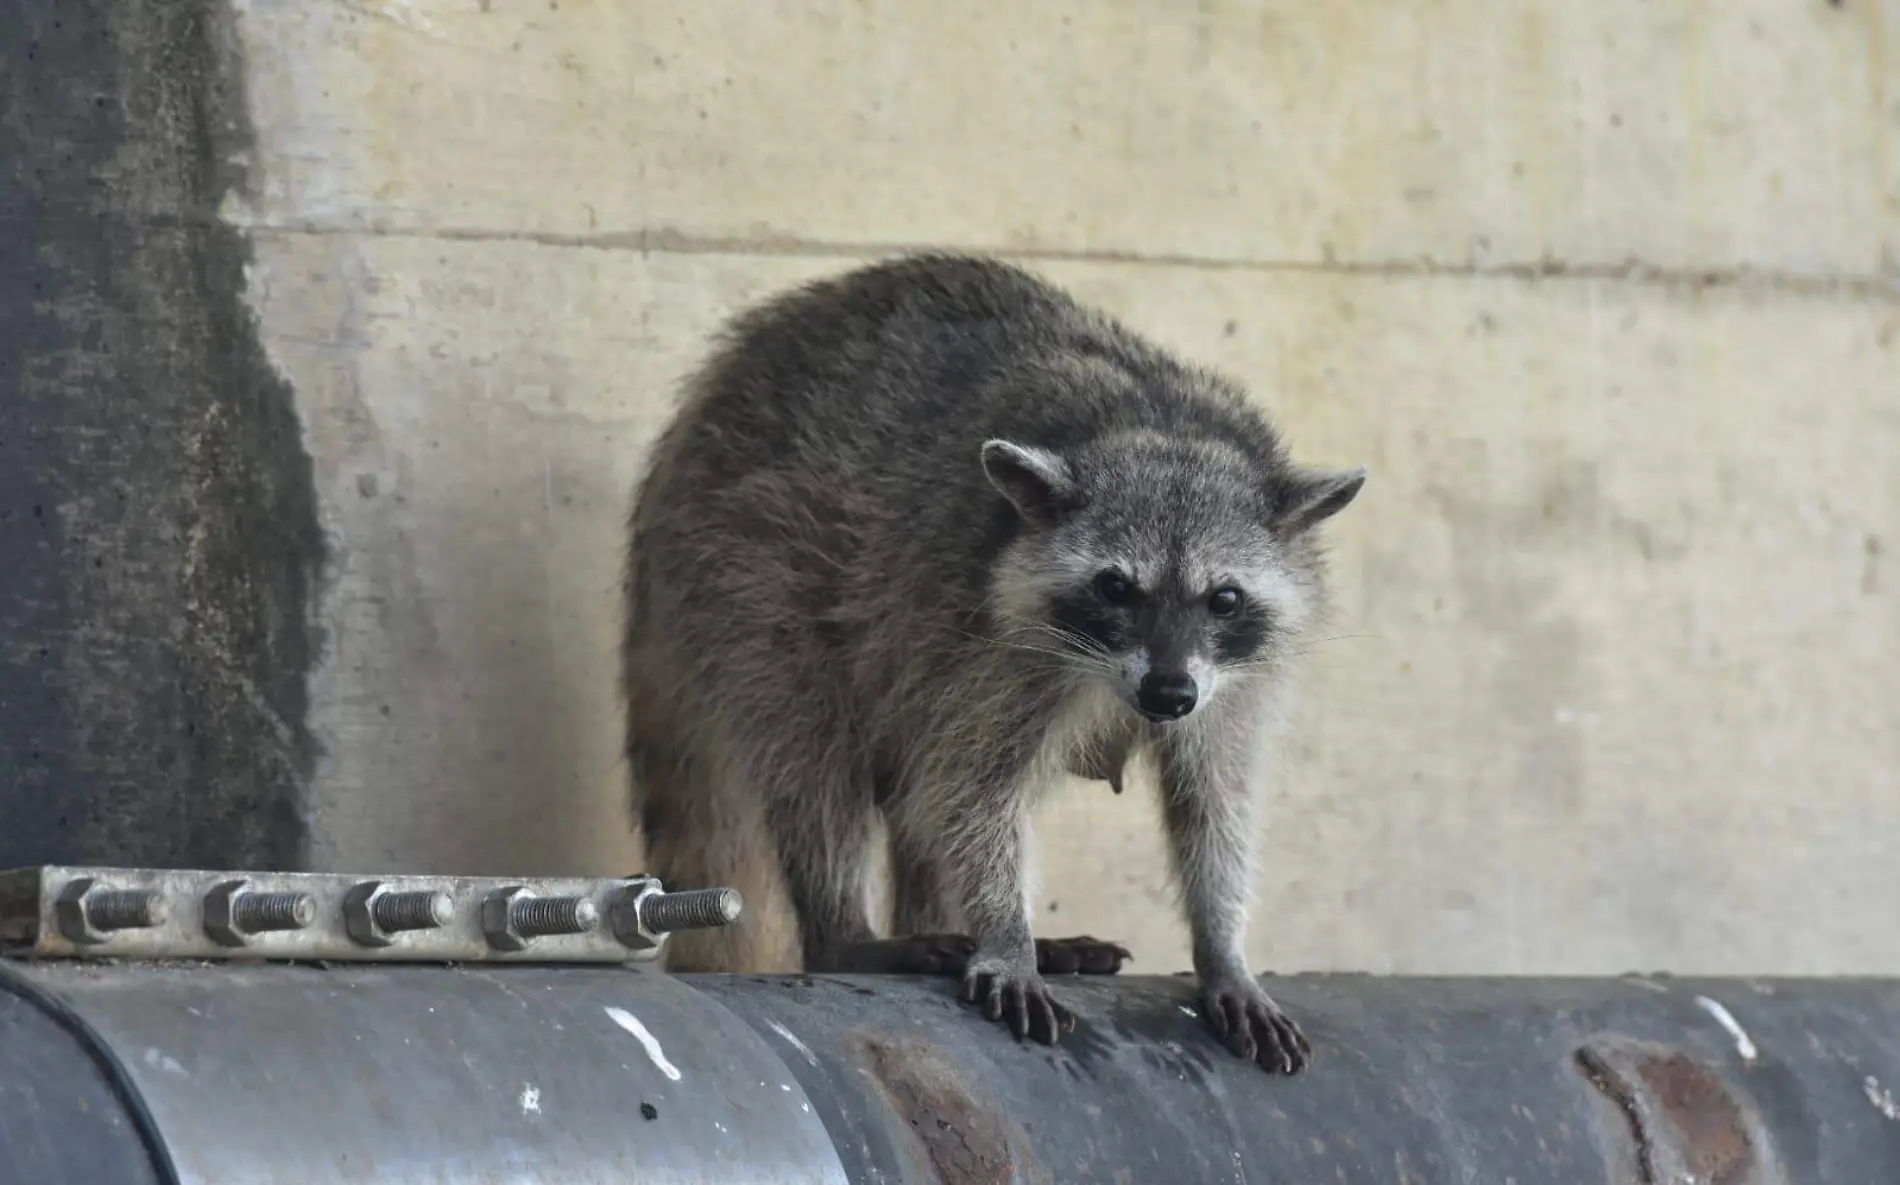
x=159 y=540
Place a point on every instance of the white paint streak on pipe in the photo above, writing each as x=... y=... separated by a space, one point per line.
x=631 y=1023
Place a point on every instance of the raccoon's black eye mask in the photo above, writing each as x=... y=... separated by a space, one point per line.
x=1115 y=588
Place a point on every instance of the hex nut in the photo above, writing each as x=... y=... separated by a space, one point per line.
x=628 y=929
x=359 y=914
x=70 y=910
x=90 y=913
x=498 y=921
x=219 y=922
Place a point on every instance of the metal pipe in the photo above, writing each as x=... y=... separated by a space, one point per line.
x=282 y=1074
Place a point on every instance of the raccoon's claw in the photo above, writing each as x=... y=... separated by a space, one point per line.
x=1250 y=1024
x=1080 y=956
x=1022 y=1001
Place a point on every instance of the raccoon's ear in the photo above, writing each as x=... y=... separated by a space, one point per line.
x=1036 y=481
x=1310 y=497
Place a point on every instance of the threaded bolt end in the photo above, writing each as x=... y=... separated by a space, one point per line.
x=695 y=909
x=420 y=910
x=534 y=917
x=125 y=909
x=258 y=913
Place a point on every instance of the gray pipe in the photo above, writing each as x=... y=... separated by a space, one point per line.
x=280 y=1074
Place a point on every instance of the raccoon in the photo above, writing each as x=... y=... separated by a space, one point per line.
x=921 y=539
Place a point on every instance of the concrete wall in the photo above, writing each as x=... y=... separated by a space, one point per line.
x=1606 y=295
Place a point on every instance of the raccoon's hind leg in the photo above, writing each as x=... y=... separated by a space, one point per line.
x=926 y=924
x=1081 y=955
x=973 y=815
x=829 y=890
x=920 y=892
x=817 y=811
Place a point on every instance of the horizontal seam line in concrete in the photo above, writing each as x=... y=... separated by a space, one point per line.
x=1863 y=287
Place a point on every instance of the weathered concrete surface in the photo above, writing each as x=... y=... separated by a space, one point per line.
x=478 y=413
x=1604 y=294
x=157 y=522
x=1751 y=134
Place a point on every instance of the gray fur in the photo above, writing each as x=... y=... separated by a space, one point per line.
x=865 y=579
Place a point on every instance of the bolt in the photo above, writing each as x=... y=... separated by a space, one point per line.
x=89 y=913
x=514 y=917
x=537 y=916
x=413 y=911
x=644 y=913
x=233 y=913
x=696 y=909
x=372 y=913
x=126 y=909
x=258 y=913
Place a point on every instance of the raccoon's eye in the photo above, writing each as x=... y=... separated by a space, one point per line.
x=1224 y=602
x=1114 y=588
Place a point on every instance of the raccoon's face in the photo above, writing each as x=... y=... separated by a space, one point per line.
x=1161 y=564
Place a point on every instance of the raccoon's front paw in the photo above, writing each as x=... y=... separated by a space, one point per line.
x=1017 y=996
x=1244 y=1017
x=1080 y=956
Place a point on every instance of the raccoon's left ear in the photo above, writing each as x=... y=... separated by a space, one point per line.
x=1036 y=481
x=1310 y=497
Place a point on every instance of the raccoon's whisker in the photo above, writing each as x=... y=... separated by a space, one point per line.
x=1276 y=662
x=1070 y=661
x=1084 y=644
x=1258 y=665
x=1051 y=652
x=1074 y=645
x=1057 y=648
x=1081 y=642
x=1064 y=667
x=1065 y=658
x=969 y=635
x=1314 y=642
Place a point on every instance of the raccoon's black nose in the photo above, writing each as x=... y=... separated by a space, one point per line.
x=1167 y=697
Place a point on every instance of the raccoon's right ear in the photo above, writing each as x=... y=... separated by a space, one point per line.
x=1037 y=482
x=1311 y=496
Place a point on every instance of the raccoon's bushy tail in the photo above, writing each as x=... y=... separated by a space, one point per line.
x=696 y=838
x=701 y=827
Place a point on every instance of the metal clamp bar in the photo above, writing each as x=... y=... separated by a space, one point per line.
x=145 y=913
